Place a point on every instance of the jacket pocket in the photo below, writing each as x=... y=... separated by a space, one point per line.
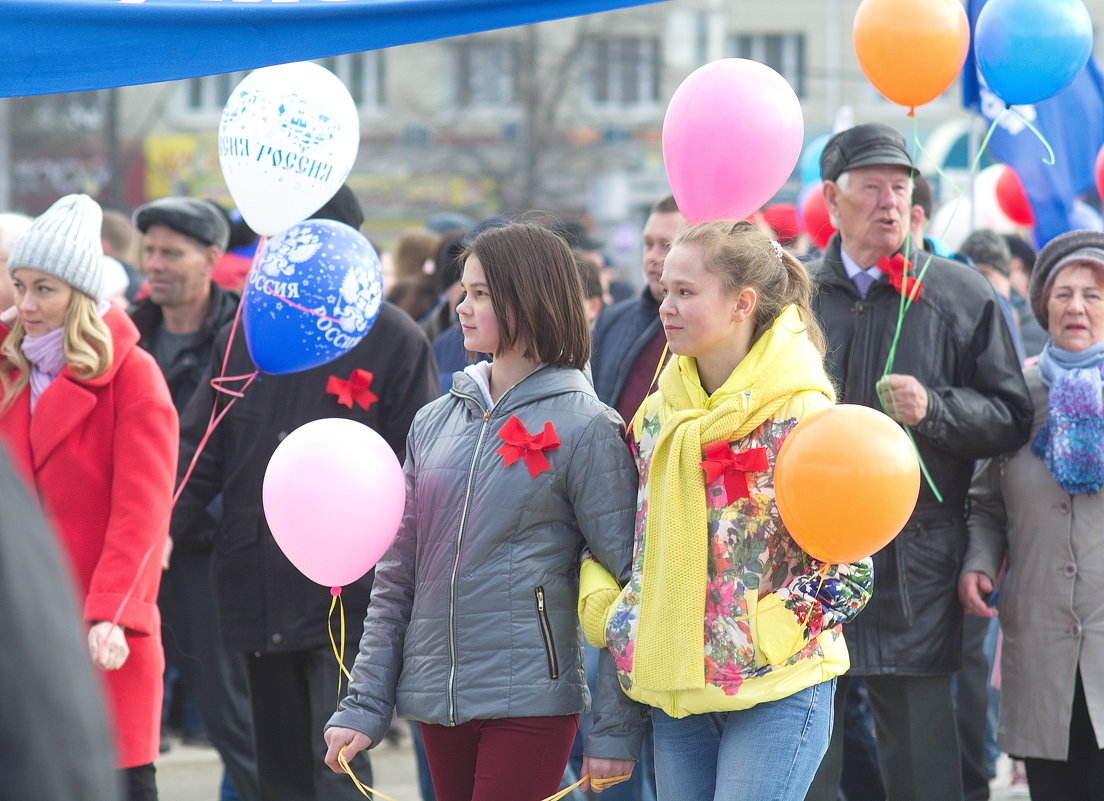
x=546 y=634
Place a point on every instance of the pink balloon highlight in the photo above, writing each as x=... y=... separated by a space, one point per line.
x=732 y=136
x=333 y=496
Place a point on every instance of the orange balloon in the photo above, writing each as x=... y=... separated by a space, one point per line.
x=911 y=50
x=846 y=481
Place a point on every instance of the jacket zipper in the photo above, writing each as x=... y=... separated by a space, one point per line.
x=459 y=541
x=456 y=569
x=546 y=632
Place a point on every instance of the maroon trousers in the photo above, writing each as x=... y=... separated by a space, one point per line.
x=522 y=759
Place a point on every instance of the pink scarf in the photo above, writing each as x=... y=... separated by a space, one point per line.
x=47 y=357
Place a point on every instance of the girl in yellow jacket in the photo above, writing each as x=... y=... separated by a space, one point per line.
x=726 y=627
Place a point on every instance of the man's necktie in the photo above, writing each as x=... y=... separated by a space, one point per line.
x=863 y=281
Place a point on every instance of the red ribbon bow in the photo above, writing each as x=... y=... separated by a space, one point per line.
x=895 y=269
x=721 y=460
x=353 y=389
x=520 y=444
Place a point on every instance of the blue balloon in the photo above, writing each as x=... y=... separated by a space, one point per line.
x=808 y=168
x=1029 y=50
x=313 y=293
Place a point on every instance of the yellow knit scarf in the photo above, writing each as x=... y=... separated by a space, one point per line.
x=670 y=647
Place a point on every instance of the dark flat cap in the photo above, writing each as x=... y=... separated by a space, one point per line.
x=1059 y=252
x=873 y=144
x=199 y=219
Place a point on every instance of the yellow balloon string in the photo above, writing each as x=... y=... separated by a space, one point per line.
x=368 y=792
x=365 y=790
x=339 y=651
x=597 y=784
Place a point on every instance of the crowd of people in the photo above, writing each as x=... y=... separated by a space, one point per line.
x=591 y=579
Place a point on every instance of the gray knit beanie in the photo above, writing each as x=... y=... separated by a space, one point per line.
x=65 y=242
x=1059 y=252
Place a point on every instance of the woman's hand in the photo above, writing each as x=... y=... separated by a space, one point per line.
x=598 y=768
x=107 y=645
x=351 y=740
x=971 y=587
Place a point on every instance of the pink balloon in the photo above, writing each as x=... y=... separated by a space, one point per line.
x=333 y=496
x=731 y=138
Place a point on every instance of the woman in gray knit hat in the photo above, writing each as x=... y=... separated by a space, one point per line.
x=1039 y=512
x=87 y=418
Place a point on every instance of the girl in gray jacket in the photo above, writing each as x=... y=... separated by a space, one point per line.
x=472 y=626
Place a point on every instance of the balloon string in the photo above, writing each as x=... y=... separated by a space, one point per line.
x=907 y=299
x=365 y=790
x=985 y=140
x=339 y=651
x=1049 y=160
x=315 y=312
x=598 y=784
x=211 y=423
x=651 y=386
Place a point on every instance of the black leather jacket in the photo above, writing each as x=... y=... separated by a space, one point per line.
x=954 y=341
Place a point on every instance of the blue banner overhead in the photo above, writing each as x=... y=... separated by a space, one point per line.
x=50 y=46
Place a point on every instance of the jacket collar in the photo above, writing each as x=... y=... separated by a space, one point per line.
x=147 y=315
x=833 y=273
x=544 y=382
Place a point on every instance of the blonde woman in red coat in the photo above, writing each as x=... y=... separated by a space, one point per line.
x=86 y=417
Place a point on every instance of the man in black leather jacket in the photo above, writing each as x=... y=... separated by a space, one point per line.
x=956 y=384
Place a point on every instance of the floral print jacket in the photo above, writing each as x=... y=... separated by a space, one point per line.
x=773 y=614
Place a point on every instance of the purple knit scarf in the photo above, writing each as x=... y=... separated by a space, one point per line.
x=47 y=357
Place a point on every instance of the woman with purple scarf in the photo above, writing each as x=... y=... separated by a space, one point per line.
x=88 y=422
x=1038 y=515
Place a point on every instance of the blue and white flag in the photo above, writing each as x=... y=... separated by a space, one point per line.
x=1072 y=122
x=50 y=46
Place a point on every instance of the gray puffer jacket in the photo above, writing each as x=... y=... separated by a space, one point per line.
x=473 y=612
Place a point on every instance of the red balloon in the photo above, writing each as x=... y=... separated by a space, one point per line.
x=782 y=218
x=1100 y=172
x=814 y=217
x=1012 y=198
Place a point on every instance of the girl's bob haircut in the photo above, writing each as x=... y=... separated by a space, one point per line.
x=536 y=293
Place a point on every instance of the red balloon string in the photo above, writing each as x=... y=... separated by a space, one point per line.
x=215 y=418
x=315 y=312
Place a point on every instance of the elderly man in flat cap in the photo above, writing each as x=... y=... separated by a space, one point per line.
x=956 y=384
x=182 y=240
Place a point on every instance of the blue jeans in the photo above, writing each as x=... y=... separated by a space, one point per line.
x=767 y=753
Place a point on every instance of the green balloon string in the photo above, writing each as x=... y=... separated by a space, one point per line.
x=988 y=135
x=1049 y=160
x=907 y=299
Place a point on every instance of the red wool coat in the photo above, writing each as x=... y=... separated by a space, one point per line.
x=102 y=456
